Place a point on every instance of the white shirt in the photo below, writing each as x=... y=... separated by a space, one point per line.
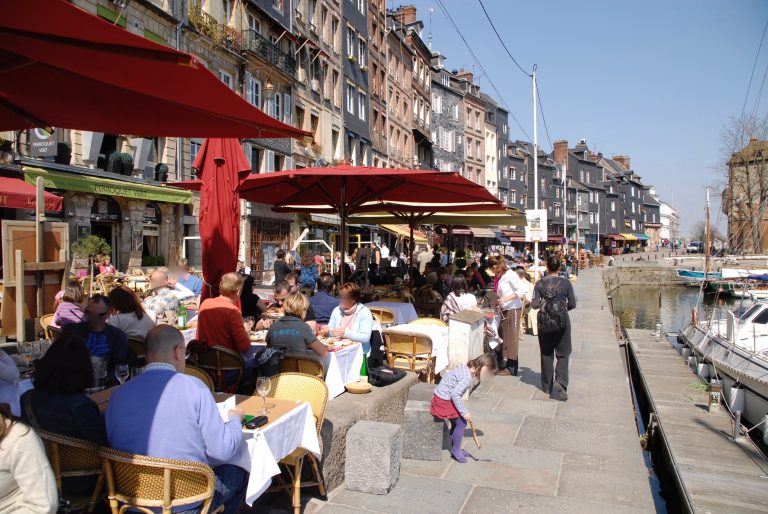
x=27 y=485
x=510 y=283
x=384 y=252
x=423 y=258
x=133 y=327
x=9 y=374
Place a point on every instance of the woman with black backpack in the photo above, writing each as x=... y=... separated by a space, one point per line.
x=554 y=297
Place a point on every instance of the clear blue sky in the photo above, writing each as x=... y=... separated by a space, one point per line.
x=656 y=80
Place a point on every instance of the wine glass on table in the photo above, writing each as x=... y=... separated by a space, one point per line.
x=122 y=372
x=263 y=385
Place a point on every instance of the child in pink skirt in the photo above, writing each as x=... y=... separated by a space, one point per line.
x=447 y=404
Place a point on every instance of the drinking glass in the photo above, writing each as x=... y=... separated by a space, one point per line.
x=136 y=371
x=121 y=373
x=170 y=317
x=263 y=385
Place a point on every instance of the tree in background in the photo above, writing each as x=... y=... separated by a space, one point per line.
x=90 y=247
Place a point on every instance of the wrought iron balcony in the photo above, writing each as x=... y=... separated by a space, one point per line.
x=268 y=51
x=219 y=33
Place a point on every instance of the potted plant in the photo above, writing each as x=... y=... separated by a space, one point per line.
x=90 y=247
x=316 y=148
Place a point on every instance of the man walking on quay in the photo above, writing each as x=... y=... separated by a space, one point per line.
x=554 y=296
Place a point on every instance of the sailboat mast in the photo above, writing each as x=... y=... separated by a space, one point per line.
x=707 y=242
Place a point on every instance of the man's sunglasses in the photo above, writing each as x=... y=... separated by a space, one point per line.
x=100 y=314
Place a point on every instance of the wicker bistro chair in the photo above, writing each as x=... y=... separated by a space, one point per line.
x=433 y=322
x=226 y=366
x=55 y=332
x=298 y=386
x=72 y=457
x=411 y=351
x=46 y=320
x=300 y=364
x=385 y=316
x=138 y=347
x=148 y=484
x=200 y=374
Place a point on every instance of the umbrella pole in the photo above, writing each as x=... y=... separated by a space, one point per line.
x=343 y=217
x=411 y=247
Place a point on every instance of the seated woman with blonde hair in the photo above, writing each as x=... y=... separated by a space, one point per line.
x=291 y=331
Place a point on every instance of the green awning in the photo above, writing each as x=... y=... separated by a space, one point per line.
x=105 y=186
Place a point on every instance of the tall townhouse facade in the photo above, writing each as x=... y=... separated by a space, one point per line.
x=357 y=133
x=515 y=174
x=474 y=128
x=377 y=52
x=491 y=157
x=400 y=145
x=318 y=86
x=421 y=83
x=447 y=118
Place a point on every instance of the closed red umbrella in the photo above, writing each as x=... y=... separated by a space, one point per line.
x=64 y=67
x=17 y=194
x=220 y=165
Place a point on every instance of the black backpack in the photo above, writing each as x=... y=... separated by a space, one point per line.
x=553 y=314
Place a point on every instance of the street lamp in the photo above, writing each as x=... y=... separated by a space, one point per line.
x=269 y=89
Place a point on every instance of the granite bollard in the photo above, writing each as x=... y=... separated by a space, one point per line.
x=423 y=433
x=373 y=457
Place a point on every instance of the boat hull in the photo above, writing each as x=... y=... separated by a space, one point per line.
x=734 y=366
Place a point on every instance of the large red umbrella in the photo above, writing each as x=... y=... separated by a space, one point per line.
x=63 y=67
x=17 y=194
x=220 y=165
x=346 y=190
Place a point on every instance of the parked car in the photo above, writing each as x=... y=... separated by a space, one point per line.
x=695 y=247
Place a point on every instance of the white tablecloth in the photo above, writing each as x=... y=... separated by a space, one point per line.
x=404 y=312
x=439 y=336
x=262 y=449
x=342 y=367
x=189 y=334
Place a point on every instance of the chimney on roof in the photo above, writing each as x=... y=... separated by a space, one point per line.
x=560 y=150
x=623 y=161
x=405 y=14
x=466 y=75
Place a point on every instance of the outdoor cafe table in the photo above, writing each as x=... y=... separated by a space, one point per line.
x=439 y=337
x=291 y=426
x=341 y=366
x=404 y=312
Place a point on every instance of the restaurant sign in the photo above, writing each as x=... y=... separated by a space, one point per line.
x=42 y=143
x=108 y=187
x=536 y=226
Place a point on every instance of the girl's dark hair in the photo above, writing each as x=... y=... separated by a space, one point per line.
x=459 y=285
x=124 y=301
x=65 y=368
x=280 y=254
x=553 y=264
x=486 y=360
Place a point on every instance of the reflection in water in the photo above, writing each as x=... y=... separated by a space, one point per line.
x=644 y=306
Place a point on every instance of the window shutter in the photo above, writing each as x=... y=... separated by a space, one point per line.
x=287 y=109
x=289 y=163
x=269 y=161
x=249 y=88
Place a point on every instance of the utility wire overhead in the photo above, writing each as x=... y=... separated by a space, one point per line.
x=752 y=75
x=502 y=41
x=479 y=65
x=543 y=118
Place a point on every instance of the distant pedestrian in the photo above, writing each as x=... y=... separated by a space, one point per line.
x=447 y=403
x=554 y=297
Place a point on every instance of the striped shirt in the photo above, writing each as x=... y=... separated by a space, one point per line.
x=454 y=385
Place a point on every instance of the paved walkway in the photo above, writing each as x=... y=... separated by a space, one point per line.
x=539 y=455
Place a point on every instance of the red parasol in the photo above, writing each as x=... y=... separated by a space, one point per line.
x=17 y=194
x=346 y=190
x=64 y=67
x=221 y=165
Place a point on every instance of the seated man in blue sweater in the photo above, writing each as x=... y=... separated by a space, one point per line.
x=323 y=302
x=165 y=413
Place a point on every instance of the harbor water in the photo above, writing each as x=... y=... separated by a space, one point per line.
x=644 y=306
